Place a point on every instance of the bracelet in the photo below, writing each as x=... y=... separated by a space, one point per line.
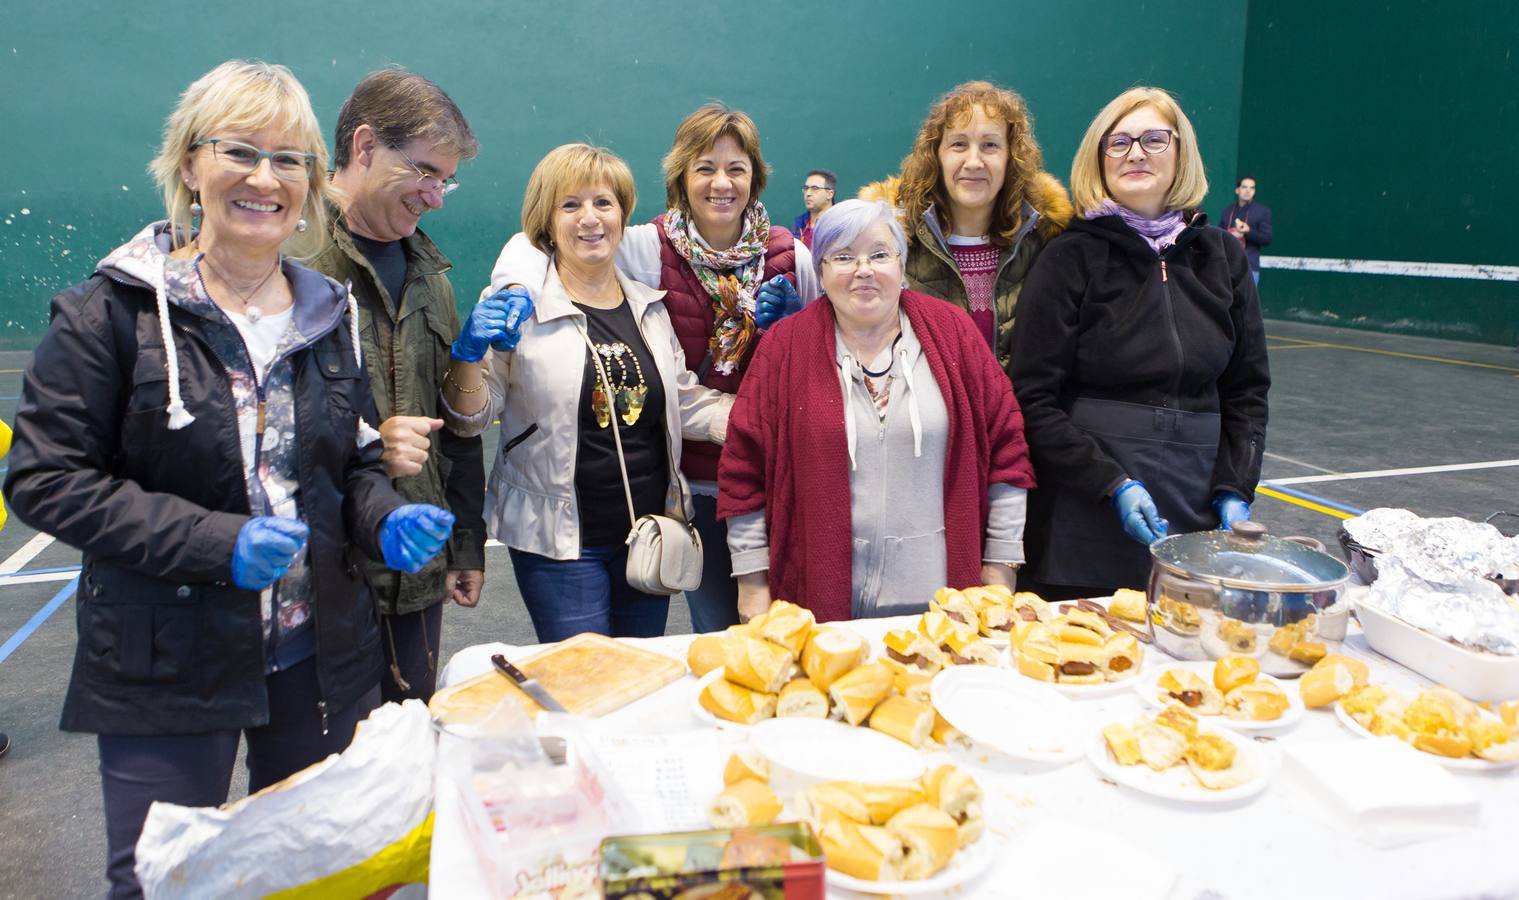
x=448 y=375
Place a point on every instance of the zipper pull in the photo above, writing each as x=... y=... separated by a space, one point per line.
x=321 y=707
x=1162 y=278
x=261 y=403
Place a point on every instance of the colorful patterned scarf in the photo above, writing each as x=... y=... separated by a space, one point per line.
x=731 y=278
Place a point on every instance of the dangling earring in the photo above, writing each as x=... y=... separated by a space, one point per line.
x=195 y=208
x=300 y=224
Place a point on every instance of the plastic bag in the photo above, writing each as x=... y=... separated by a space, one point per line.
x=349 y=826
x=535 y=800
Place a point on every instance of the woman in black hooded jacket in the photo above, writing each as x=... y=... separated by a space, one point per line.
x=1139 y=360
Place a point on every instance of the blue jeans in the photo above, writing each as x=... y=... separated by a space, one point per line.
x=1255 y=276
x=566 y=597
x=714 y=605
x=196 y=769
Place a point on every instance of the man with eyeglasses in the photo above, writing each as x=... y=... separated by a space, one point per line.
x=399 y=141
x=817 y=196
x=1249 y=221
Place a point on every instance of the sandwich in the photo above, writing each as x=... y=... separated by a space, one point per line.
x=1233 y=670
x=929 y=838
x=743 y=764
x=958 y=795
x=1038 y=651
x=862 y=851
x=1030 y=607
x=956 y=608
x=830 y=800
x=910 y=682
x=1187 y=688
x=1358 y=669
x=748 y=802
x=705 y=654
x=1322 y=685
x=884 y=800
x=735 y=703
x=937 y=626
x=911 y=648
x=856 y=694
x=906 y=720
x=1129 y=604
x=1082 y=627
x=948 y=735
x=787 y=625
x=1121 y=656
x=756 y=664
x=967 y=648
x=800 y=697
x=1079 y=664
x=1256 y=701
x=831 y=652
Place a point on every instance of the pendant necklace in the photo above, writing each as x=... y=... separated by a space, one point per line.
x=250 y=309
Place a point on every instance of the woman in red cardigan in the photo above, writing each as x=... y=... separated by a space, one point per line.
x=875 y=453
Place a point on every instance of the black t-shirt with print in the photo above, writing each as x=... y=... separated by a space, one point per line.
x=598 y=483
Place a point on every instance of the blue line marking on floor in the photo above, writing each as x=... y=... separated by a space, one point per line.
x=36 y=621
x=40 y=572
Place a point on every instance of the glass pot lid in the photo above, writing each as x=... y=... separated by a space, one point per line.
x=1249 y=558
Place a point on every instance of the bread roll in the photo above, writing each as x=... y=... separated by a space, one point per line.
x=914 y=684
x=1122 y=742
x=906 y=720
x=831 y=652
x=830 y=800
x=997 y=621
x=1256 y=701
x=787 y=625
x=1128 y=604
x=937 y=626
x=1121 y=657
x=1092 y=622
x=948 y=735
x=887 y=798
x=801 y=698
x=957 y=609
x=988 y=595
x=958 y=795
x=967 y=648
x=1079 y=663
x=1038 y=642
x=746 y=803
x=856 y=694
x=1066 y=633
x=735 y=703
x=1321 y=686
x=930 y=838
x=1233 y=670
x=705 y=654
x=1358 y=669
x=1033 y=668
x=862 y=851
x=746 y=762
x=1030 y=607
x=756 y=664
x=911 y=648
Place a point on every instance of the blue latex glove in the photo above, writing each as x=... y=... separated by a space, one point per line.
x=776 y=300
x=413 y=534
x=1231 y=508
x=1141 y=520
x=265 y=548
x=496 y=322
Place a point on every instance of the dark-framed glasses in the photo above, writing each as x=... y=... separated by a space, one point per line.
x=429 y=183
x=809 y=188
x=1151 y=142
x=289 y=165
x=878 y=259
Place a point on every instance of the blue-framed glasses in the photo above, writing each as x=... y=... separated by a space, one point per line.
x=290 y=165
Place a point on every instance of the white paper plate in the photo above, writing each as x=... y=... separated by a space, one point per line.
x=1150 y=694
x=964 y=866
x=1178 y=782
x=814 y=750
x=1009 y=713
x=1467 y=764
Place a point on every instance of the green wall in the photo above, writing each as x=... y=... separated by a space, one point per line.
x=1387 y=131
x=840 y=85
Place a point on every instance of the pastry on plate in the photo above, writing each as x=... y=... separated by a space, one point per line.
x=1234 y=669
x=1129 y=604
x=1256 y=701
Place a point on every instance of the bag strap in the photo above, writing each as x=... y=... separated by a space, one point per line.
x=606 y=385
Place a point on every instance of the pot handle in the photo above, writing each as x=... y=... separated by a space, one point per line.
x=1310 y=543
x=1197 y=593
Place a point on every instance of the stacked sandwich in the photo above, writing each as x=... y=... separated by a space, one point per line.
x=1438 y=721
x=895 y=831
x=1172 y=737
x=1237 y=690
x=781 y=663
x=1076 y=647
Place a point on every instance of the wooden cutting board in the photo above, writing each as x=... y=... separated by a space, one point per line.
x=590 y=674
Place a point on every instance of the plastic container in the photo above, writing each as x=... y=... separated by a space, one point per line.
x=775 y=862
x=1472 y=673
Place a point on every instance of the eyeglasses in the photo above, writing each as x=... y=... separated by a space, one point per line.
x=880 y=259
x=429 y=183
x=1151 y=142
x=809 y=188
x=289 y=165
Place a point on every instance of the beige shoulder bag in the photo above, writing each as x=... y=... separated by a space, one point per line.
x=664 y=553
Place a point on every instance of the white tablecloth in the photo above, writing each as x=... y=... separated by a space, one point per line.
x=1283 y=843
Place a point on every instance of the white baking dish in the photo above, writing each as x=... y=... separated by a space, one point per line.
x=1472 y=673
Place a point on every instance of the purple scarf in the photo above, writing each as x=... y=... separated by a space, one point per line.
x=1158 y=233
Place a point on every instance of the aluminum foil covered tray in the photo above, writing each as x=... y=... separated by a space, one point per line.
x=1443 y=576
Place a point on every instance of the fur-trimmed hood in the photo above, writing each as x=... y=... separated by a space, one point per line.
x=1052 y=201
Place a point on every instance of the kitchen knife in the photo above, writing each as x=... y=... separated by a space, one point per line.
x=529 y=685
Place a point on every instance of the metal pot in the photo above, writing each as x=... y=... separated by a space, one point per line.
x=1242 y=591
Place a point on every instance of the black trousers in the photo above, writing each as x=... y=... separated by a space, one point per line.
x=196 y=769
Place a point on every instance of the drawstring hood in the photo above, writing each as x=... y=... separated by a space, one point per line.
x=367 y=435
x=852 y=371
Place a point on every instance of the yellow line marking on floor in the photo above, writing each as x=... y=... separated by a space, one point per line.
x=1397 y=353
x=1306 y=504
x=11 y=371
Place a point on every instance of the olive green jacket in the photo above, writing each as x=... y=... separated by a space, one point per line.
x=931 y=267
x=406 y=351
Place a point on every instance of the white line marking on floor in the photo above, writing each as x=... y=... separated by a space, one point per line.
x=12 y=580
x=26 y=554
x=1295 y=462
x=492 y=542
x=1392 y=473
x=1392 y=267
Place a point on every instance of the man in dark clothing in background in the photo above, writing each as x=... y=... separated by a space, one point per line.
x=400 y=139
x=817 y=196
x=1249 y=221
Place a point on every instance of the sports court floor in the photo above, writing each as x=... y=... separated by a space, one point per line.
x=1358 y=420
